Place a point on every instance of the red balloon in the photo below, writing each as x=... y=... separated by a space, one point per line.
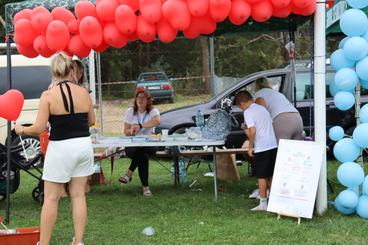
x=302 y=3
x=282 y=12
x=134 y=4
x=27 y=51
x=23 y=14
x=306 y=11
x=91 y=32
x=85 y=8
x=113 y=36
x=262 y=11
x=280 y=3
x=63 y=14
x=220 y=9
x=165 y=31
x=254 y=1
x=40 y=20
x=198 y=8
x=194 y=29
x=103 y=46
x=133 y=37
x=73 y=26
x=11 y=104
x=240 y=12
x=77 y=47
x=125 y=19
x=150 y=10
x=40 y=46
x=177 y=14
x=207 y=24
x=57 y=35
x=106 y=9
x=39 y=9
x=145 y=31
x=24 y=33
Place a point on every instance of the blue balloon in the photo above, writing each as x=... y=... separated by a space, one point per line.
x=344 y=100
x=350 y=174
x=357 y=4
x=365 y=185
x=360 y=135
x=364 y=84
x=362 y=69
x=362 y=208
x=336 y=133
x=348 y=199
x=346 y=79
x=341 y=209
x=342 y=42
x=353 y=22
x=363 y=114
x=345 y=150
x=339 y=60
x=332 y=88
x=356 y=48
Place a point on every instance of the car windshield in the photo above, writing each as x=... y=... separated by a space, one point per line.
x=151 y=77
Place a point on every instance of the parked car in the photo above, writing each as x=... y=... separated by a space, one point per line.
x=177 y=120
x=31 y=77
x=158 y=84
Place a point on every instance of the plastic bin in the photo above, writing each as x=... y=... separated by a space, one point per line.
x=23 y=236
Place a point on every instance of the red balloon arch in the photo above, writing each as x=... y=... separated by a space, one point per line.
x=116 y=22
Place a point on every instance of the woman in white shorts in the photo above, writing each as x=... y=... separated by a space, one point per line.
x=69 y=156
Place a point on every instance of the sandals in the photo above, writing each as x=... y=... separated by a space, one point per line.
x=147 y=192
x=125 y=179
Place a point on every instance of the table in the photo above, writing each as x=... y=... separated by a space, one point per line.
x=105 y=142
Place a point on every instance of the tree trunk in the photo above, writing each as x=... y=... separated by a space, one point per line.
x=205 y=64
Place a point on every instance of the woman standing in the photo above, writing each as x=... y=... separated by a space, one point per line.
x=140 y=120
x=287 y=122
x=69 y=156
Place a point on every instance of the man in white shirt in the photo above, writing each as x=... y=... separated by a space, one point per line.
x=262 y=138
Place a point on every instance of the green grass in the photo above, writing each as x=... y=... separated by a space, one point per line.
x=118 y=214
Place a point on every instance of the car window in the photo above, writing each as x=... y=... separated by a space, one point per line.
x=31 y=81
x=276 y=83
x=152 y=77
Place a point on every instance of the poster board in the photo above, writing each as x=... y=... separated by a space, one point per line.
x=295 y=178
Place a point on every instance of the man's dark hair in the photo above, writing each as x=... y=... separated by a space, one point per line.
x=243 y=96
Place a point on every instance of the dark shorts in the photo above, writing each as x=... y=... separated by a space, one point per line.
x=264 y=163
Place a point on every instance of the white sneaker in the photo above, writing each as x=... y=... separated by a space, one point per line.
x=255 y=194
x=260 y=207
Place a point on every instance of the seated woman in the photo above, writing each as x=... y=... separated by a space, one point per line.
x=140 y=120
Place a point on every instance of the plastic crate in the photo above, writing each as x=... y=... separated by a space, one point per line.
x=23 y=236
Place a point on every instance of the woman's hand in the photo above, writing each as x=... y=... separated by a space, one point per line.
x=19 y=130
x=250 y=152
x=134 y=129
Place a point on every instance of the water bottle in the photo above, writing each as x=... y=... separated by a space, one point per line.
x=199 y=119
x=182 y=172
x=97 y=168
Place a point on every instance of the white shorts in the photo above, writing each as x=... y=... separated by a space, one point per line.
x=68 y=158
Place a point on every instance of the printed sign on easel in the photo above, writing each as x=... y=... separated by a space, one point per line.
x=295 y=178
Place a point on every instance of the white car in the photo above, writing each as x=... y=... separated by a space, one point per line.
x=31 y=77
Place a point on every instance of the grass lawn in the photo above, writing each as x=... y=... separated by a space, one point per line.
x=118 y=214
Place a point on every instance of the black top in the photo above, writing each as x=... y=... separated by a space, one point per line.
x=71 y=125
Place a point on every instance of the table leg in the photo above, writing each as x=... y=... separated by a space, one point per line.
x=214 y=172
x=176 y=169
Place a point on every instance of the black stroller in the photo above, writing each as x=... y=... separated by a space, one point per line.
x=18 y=162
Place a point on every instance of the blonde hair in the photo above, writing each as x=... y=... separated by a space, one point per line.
x=262 y=82
x=61 y=65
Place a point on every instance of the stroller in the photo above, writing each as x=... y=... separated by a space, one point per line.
x=17 y=163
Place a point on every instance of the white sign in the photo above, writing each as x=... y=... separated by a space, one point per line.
x=295 y=178
x=335 y=13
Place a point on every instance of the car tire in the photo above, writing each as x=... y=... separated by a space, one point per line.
x=172 y=100
x=33 y=149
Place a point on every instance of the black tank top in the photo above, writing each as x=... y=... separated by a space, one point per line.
x=71 y=125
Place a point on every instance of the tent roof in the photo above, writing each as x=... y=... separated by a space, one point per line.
x=272 y=25
x=333 y=16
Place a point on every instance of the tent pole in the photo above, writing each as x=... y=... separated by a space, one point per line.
x=320 y=98
x=92 y=76
x=9 y=136
x=212 y=64
x=99 y=82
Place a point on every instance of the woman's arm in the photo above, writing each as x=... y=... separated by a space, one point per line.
x=41 y=120
x=91 y=114
x=152 y=123
x=260 y=101
x=128 y=129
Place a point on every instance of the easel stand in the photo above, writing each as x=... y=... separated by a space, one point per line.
x=279 y=217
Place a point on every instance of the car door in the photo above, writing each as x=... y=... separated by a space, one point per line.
x=237 y=136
